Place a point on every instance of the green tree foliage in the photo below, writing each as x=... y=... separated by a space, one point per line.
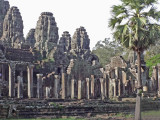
x=152 y=51
x=106 y=49
x=134 y=29
x=153 y=61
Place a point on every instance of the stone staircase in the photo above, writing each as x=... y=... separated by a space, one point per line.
x=57 y=108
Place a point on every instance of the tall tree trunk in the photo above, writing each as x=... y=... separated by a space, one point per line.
x=139 y=89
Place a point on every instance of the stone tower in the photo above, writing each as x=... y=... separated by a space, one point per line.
x=80 y=39
x=4 y=6
x=30 y=39
x=65 y=41
x=46 y=33
x=13 y=29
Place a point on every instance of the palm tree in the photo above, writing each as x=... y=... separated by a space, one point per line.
x=135 y=26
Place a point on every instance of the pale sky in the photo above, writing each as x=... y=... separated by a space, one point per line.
x=69 y=15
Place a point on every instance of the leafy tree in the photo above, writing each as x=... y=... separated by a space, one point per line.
x=106 y=49
x=153 y=61
x=152 y=51
x=131 y=22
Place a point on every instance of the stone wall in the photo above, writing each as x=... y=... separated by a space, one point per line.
x=19 y=55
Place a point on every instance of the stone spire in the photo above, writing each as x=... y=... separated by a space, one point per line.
x=4 y=6
x=65 y=41
x=30 y=39
x=13 y=28
x=80 y=39
x=46 y=33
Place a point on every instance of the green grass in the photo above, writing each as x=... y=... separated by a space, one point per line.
x=124 y=115
x=151 y=113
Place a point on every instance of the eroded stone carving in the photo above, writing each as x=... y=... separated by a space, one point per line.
x=30 y=39
x=4 y=6
x=13 y=29
x=80 y=39
x=46 y=33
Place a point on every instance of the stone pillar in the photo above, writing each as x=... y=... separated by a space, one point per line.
x=47 y=92
x=124 y=80
x=87 y=88
x=3 y=72
x=105 y=85
x=0 y=90
x=56 y=86
x=63 y=85
x=30 y=80
x=119 y=87
x=21 y=84
x=72 y=89
x=39 y=85
x=68 y=86
x=114 y=84
x=116 y=73
x=158 y=80
x=11 y=79
x=92 y=86
x=79 y=89
x=155 y=76
x=102 y=88
x=20 y=87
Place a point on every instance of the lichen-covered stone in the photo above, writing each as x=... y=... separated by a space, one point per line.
x=4 y=6
x=65 y=41
x=80 y=39
x=30 y=39
x=13 y=29
x=46 y=33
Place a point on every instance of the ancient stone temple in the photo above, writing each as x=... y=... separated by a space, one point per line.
x=46 y=33
x=44 y=66
x=30 y=39
x=13 y=29
x=122 y=76
x=4 y=6
x=80 y=39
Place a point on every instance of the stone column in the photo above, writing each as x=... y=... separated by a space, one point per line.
x=92 y=86
x=87 y=88
x=158 y=80
x=114 y=84
x=30 y=80
x=47 y=92
x=119 y=87
x=20 y=87
x=68 y=86
x=11 y=79
x=124 y=80
x=72 y=89
x=21 y=84
x=105 y=85
x=79 y=89
x=63 y=85
x=116 y=73
x=3 y=72
x=102 y=88
x=0 y=90
x=39 y=85
x=155 y=76
x=56 y=86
